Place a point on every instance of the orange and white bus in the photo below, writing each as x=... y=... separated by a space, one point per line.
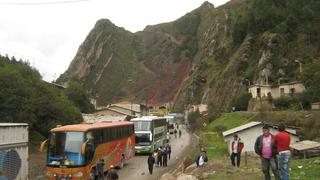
x=74 y=150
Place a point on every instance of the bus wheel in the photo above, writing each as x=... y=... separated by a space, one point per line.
x=92 y=174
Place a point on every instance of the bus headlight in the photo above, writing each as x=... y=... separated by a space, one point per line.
x=78 y=174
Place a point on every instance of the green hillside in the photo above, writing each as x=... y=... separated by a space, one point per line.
x=207 y=56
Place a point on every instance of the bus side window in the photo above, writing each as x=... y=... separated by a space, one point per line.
x=105 y=135
x=114 y=134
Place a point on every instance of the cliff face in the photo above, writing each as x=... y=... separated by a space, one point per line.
x=203 y=57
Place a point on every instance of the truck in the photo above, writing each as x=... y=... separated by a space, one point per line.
x=14 y=151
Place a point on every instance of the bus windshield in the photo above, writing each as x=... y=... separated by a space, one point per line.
x=64 y=148
x=143 y=139
x=142 y=125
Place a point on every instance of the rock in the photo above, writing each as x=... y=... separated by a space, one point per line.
x=186 y=177
x=316 y=161
x=191 y=168
x=167 y=176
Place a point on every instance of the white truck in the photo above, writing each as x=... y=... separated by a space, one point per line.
x=14 y=151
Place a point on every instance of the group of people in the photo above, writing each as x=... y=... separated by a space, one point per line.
x=159 y=157
x=274 y=152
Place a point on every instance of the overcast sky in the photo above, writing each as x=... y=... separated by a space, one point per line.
x=48 y=33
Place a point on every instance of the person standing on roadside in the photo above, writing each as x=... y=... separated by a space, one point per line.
x=168 y=149
x=151 y=162
x=236 y=147
x=180 y=133
x=263 y=147
x=282 y=141
x=165 y=157
x=159 y=157
x=100 y=169
x=175 y=133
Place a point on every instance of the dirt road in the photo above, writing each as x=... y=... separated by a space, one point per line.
x=137 y=168
x=134 y=169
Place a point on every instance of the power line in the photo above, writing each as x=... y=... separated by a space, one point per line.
x=27 y=57
x=41 y=3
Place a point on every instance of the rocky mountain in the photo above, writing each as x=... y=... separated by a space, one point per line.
x=206 y=56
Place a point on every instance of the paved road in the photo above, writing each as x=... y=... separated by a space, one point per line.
x=137 y=168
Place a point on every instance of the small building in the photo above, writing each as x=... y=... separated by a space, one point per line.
x=249 y=132
x=97 y=117
x=276 y=91
x=14 y=151
x=124 y=108
x=315 y=106
x=306 y=148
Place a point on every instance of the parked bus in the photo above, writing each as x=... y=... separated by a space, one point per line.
x=171 y=122
x=151 y=133
x=74 y=150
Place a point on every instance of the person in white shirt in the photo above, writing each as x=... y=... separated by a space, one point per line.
x=202 y=159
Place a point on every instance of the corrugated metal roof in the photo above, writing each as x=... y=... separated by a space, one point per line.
x=305 y=145
x=13 y=124
x=90 y=126
x=147 y=118
x=240 y=128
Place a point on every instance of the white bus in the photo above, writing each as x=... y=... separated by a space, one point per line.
x=171 y=122
x=151 y=133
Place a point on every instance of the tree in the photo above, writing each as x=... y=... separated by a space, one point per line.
x=311 y=79
x=76 y=93
x=25 y=98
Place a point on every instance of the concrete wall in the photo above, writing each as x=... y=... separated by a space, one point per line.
x=315 y=106
x=298 y=88
x=276 y=91
x=249 y=137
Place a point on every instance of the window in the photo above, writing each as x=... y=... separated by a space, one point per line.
x=281 y=92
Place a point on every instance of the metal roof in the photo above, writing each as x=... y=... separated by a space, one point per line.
x=13 y=124
x=305 y=145
x=89 y=126
x=147 y=118
x=241 y=128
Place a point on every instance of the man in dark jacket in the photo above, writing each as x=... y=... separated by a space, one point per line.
x=263 y=147
x=236 y=147
x=165 y=157
x=202 y=159
x=100 y=168
x=151 y=162
x=168 y=149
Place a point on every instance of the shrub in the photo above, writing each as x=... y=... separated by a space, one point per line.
x=241 y=101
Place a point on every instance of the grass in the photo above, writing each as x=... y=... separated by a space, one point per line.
x=309 y=169
x=212 y=136
x=217 y=152
x=228 y=120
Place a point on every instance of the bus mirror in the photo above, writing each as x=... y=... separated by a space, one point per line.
x=83 y=148
x=150 y=137
x=43 y=145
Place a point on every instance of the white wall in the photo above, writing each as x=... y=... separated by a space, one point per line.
x=249 y=137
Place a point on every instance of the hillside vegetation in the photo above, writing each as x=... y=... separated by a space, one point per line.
x=207 y=56
x=24 y=97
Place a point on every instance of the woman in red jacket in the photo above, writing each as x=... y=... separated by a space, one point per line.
x=236 y=147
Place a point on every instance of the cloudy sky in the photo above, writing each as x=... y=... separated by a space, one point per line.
x=48 y=32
